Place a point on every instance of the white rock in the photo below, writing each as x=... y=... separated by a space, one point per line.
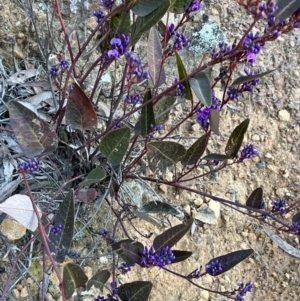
x=209 y=214
x=12 y=229
x=284 y=115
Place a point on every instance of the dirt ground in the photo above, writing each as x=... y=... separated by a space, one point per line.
x=274 y=129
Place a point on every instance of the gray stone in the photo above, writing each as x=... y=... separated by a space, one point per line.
x=209 y=214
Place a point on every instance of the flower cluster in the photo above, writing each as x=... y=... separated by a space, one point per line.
x=179 y=88
x=203 y=114
x=232 y=93
x=64 y=64
x=194 y=6
x=133 y=99
x=100 y=298
x=119 y=47
x=30 y=166
x=124 y=268
x=248 y=86
x=105 y=234
x=248 y=152
x=99 y=15
x=252 y=47
x=214 y=268
x=72 y=254
x=180 y=40
x=55 y=70
x=224 y=48
x=296 y=227
x=195 y=274
x=56 y=230
x=161 y=258
x=107 y=3
x=155 y=129
x=136 y=67
x=114 y=290
x=243 y=290
x=278 y=206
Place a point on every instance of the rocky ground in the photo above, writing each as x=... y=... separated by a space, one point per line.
x=274 y=129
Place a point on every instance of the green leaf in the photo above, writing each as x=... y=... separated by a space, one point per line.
x=64 y=217
x=143 y=8
x=80 y=112
x=214 y=120
x=255 y=199
x=236 y=139
x=194 y=153
x=95 y=176
x=119 y=250
x=243 y=79
x=218 y=157
x=155 y=55
x=230 y=260
x=162 y=109
x=120 y=23
x=34 y=135
x=286 y=8
x=115 y=144
x=171 y=236
x=160 y=207
x=98 y=280
x=201 y=87
x=135 y=291
x=178 y=6
x=147 y=115
x=143 y=24
x=164 y=154
x=73 y=277
x=182 y=74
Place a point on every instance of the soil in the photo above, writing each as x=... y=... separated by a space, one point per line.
x=274 y=129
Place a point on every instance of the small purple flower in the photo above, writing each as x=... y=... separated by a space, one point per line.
x=214 y=268
x=248 y=152
x=99 y=15
x=107 y=3
x=113 y=54
x=203 y=117
x=232 y=93
x=115 y=42
x=64 y=64
x=179 y=88
x=297 y=25
x=56 y=230
x=243 y=290
x=54 y=71
x=30 y=166
x=136 y=67
x=180 y=42
x=194 y=6
x=171 y=29
x=296 y=227
x=161 y=258
x=195 y=274
x=133 y=99
x=72 y=254
x=278 y=206
x=114 y=289
x=100 y=298
x=124 y=268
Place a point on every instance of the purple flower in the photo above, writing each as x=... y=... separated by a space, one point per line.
x=297 y=25
x=232 y=93
x=203 y=117
x=248 y=152
x=133 y=99
x=114 y=289
x=30 y=166
x=100 y=298
x=71 y=254
x=124 y=268
x=180 y=42
x=161 y=258
x=171 y=29
x=278 y=206
x=115 y=42
x=195 y=5
x=195 y=274
x=136 y=67
x=244 y=289
x=214 y=268
x=64 y=64
x=107 y=3
x=248 y=86
x=296 y=227
x=99 y=15
x=54 y=71
x=224 y=48
x=56 y=230
x=179 y=88
x=113 y=54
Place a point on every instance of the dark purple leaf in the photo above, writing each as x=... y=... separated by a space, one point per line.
x=132 y=252
x=98 y=280
x=230 y=260
x=181 y=255
x=194 y=153
x=171 y=236
x=255 y=199
x=236 y=139
x=117 y=247
x=135 y=291
x=147 y=116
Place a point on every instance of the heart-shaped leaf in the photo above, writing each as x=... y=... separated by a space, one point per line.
x=80 y=113
x=286 y=8
x=155 y=55
x=115 y=144
x=143 y=24
x=135 y=291
x=19 y=207
x=194 y=153
x=171 y=236
x=230 y=260
x=162 y=155
x=255 y=199
x=147 y=116
x=73 y=277
x=34 y=135
x=94 y=176
x=236 y=139
x=98 y=280
x=64 y=217
x=182 y=75
x=160 y=207
x=201 y=87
